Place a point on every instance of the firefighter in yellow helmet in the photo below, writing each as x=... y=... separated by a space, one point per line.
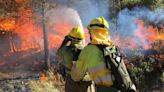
x=91 y=58
x=93 y=61
x=67 y=54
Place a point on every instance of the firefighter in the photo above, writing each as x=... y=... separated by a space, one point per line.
x=67 y=55
x=91 y=59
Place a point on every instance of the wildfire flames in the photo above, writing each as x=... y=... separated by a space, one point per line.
x=43 y=77
x=145 y=35
x=149 y=33
x=7 y=24
x=19 y=1
x=30 y=35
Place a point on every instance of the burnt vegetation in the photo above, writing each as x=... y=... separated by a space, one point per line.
x=146 y=68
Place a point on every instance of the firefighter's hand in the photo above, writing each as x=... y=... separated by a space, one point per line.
x=67 y=38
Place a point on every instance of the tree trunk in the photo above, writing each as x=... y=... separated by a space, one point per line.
x=46 y=50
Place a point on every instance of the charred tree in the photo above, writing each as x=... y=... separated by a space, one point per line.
x=46 y=50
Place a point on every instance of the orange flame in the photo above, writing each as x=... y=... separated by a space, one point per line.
x=59 y=31
x=29 y=34
x=19 y=1
x=7 y=24
x=43 y=77
x=150 y=33
x=127 y=42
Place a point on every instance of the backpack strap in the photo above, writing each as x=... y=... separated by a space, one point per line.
x=113 y=57
x=101 y=47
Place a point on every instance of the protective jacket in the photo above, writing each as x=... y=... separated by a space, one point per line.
x=91 y=60
x=67 y=55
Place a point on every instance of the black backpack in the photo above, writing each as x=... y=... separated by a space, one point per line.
x=113 y=58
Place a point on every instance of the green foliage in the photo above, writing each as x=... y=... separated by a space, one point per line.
x=146 y=74
x=131 y=2
x=136 y=53
x=151 y=4
x=158 y=4
x=162 y=77
x=147 y=66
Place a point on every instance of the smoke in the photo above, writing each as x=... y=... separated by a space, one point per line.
x=62 y=14
x=126 y=18
x=69 y=13
x=88 y=9
x=59 y=22
x=127 y=25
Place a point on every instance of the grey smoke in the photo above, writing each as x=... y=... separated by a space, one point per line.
x=61 y=14
x=88 y=9
x=127 y=26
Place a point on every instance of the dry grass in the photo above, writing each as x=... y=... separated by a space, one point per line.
x=47 y=84
x=43 y=86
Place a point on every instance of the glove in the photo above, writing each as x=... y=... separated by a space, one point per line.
x=65 y=41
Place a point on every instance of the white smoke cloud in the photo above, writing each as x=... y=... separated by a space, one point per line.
x=61 y=14
x=126 y=25
x=126 y=19
x=88 y=9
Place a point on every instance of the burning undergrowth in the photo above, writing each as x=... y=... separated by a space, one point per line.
x=140 y=35
x=139 y=29
x=136 y=29
x=22 y=37
x=138 y=32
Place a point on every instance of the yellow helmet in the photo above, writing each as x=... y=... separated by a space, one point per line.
x=99 y=33
x=77 y=32
x=99 y=22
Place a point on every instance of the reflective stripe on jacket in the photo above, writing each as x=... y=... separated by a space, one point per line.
x=91 y=60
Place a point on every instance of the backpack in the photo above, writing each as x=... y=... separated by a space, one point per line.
x=121 y=78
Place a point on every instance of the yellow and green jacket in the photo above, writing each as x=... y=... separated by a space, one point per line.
x=91 y=61
x=65 y=56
